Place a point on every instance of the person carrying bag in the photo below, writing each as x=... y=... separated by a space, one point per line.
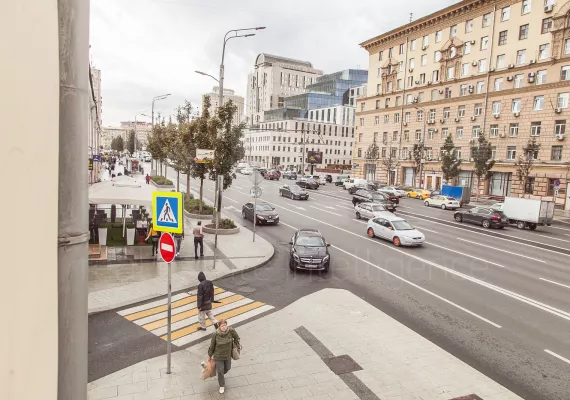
x=223 y=346
x=154 y=236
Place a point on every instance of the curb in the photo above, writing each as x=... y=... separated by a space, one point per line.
x=159 y=296
x=198 y=216
x=221 y=231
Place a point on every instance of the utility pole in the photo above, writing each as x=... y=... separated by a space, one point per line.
x=73 y=228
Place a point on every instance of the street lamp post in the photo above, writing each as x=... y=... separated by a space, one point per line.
x=423 y=143
x=156 y=98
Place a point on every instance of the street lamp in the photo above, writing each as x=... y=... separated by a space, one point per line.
x=161 y=97
x=205 y=74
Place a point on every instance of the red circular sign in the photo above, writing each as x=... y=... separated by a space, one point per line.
x=166 y=247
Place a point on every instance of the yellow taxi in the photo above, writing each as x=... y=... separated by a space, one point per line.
x=419 y=193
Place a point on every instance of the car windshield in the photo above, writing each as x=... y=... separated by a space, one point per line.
x=378 y=208
x=310 y=241
x=295 y=189
x=378 y=196
x=263 y=207
x=402 y=225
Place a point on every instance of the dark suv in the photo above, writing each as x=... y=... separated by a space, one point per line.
x=370 y=196
x=309 y=251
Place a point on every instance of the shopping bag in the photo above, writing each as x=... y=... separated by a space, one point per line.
x=209 y=370
x=236 y=350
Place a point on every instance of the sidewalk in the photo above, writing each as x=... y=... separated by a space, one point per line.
x=114 y=285
x=328 y=345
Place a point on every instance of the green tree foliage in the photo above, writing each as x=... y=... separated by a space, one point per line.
x=118 y=144
x=526 y=160
x=130 y=145
x=417 y=155
x=158 y=143
x=450 y=164
x=482 y=155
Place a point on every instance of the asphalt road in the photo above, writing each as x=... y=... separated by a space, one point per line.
x=499 y=300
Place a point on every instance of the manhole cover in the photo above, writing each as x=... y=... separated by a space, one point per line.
x=247 y=289
x=468 y=397
x=343 y=364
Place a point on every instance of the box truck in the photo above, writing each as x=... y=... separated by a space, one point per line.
x=528 y=213
x=461 y=193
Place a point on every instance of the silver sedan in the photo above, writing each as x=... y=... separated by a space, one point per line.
x=370 y=210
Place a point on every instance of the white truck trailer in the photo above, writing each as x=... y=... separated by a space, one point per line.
x=528 y=213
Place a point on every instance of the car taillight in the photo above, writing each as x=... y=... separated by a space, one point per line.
x=495 y=217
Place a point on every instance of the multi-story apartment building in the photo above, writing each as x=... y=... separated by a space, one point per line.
x=498 y=67
x=273 y=79
x=229 y=94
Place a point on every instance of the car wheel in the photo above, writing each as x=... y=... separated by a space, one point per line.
x=396 y=241
x=358 y=215
x=370 y=233
x=291 y=264
x=486 y=223
x=426 y=203
x=532 y=227
x=459 y=218
x=243 y=214
x=521 y=225
x=443 y=207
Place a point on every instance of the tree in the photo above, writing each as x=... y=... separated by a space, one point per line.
x=526 y=161
x=372 y=155
x=157 y=143
x=183 y=149
x=130 y=145
x=482 y=155
x=203 y=139
x=417 y=155
x=450 y=164
x=118 y=144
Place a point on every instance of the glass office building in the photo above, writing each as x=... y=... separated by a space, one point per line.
x=280 y=114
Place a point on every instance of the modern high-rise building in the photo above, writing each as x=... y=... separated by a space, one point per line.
x=494 y=67
x=273 y=79
x=229 y=94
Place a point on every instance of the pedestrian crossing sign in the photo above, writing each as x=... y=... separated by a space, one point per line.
x=167 y=212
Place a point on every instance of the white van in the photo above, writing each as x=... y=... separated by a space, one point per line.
x=347 y=184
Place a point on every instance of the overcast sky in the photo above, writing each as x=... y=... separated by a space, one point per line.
x=145 y=48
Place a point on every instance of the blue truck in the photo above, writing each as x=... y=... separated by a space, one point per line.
x=461 y=193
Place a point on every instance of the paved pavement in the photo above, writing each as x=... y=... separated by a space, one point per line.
x=498 y=300
x=328 y=345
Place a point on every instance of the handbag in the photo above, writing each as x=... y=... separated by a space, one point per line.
x=209 y=370
x=236 y=350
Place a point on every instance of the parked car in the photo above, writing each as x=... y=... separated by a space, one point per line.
x=443 y=202
x=264 y=213
x=247 y=171
x=369 y=196
x=395 y=229
x=328 y=178
x=293 y=192
x=487 y=217
x=289 y=175
x=308 y=183
x=370 y=210
x=309 y=251
x=397 y=191
x=340 y=179
x=321 y=179
x=262 y=171
x=355 y=188
x=348 y=183
x=419 y=194
x=272 y=175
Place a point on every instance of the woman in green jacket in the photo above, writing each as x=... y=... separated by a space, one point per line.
x=221 y=350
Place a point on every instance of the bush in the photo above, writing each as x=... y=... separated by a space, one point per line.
x=193 y=207
x=225 y=223
x=161 y=180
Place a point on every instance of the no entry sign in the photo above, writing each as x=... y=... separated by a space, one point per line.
x=166 y=247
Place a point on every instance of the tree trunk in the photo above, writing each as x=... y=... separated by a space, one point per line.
x=187 y=184
x=201 y=192
x=165 y=170
x=177 y=180
x=478 y=184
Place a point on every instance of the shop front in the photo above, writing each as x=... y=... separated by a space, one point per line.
x=409 y=176
x=500 y=184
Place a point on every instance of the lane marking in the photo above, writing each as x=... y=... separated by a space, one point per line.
x=502 y=250
x=555 y=283
x=465 y=254
x=330 y=212
x=553 y=238
x=359 y=220
x=330 y=208
x=426 y=229
x=417 y=287
x=352 y=208
x=557 y=356
x=227 y=198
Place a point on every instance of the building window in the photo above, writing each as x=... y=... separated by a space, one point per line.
x=410 y=81
x=450 y=72
x=360 y=135
x=478 y=109
x=556 y=153
x=452 y=31
x=544 y=51
x=498 y=84
x=380 y=55
x=447 y=92
x=501 y=61
x=387 y=101
x=401 y=49
x=424 y=59
x=505 y=14
x=563 y=100
x=565 y=73
x=395 y=136
x=560 y=127
x=503 y=37
x=516 y=105
x=567 y=46
x=467 y=48
x=496 y=108
x=463 y=90
x=486 y=20
x=383 y=152
x=535 y=128
x=397 y=117
x=484 y=43
x=541 y=77
x=432 y=115
x=482 y=65
x=546 y=25
x=378 y=103
x=518 y=80
x=465 y=69
x=420 y=116
x=412 y=63
x=476 y=131
x=400 y=66
x=413 y=44
x=359 y=153
x=529 y=185
x=438 y=36
x=437 y=55
x=390 y=52
x=361 y=121
x=422 y=79
x=525 y=7
x=461 y=111
x=521 y=56
x=407 y=116
x=459 y=132
x=435 y=76
x=446 y=113
x=538 y=103
x=444 y=132
x=523 y=32
x=468 y=25
x=514 y=129
x=420 y=97
x=418 y=135
x=494 y=131
x=377 y=120
x=511 y=152
x=386 y=118
x=425 y=41
x=433 y=94
x=362 y=105
x=480 y=87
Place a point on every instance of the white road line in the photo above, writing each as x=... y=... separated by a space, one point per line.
x=502 y=250
x=556 y=283
x=238 y=187
x=557 y=356
x=553 y=238
x=362 y=222
x=415 y=285
x=426 y=229
x=227 y=198
x=330 y=208
x=330 y=212
x=464 y=254
x=352 y=208
x=399 y=205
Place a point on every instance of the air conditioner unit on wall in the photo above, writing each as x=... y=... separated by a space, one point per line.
x=474 y=63
x=532 y=61
x=411 y=70
x=456 y=119
x=496 y=115
x=440 y=91
x=473 y=118
x=442 y=120
x=517 y=114
x=548 y=8
x=509 y=78
x=502 y=134
x=472 y=42
x=559 y=136
x=429 y=83
x=425 y=47
x=511 y=66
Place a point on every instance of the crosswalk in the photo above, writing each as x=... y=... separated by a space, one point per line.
x=153 y=316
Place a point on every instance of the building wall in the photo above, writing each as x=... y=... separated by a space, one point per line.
x=229 y=94
x=385 y=107
x=30 y=278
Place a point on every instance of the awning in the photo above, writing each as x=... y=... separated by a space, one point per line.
x=122 y=190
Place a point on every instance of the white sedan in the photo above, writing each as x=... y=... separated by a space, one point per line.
x=395 y=190
x=395 y=229
x=443 y=202
x=321 y=179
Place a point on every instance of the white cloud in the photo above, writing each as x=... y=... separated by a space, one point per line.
x=146 y=48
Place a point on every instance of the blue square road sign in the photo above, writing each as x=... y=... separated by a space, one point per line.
x=167 y=212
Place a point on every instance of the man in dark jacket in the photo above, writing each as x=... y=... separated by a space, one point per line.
x=205 y=301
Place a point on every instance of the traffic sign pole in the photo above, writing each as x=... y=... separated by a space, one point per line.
x=169 y=332
x=255 y=183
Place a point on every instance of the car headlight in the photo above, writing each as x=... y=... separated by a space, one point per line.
x=295 y=256
x=276 y=216
x=326 y=258
x=260 y=217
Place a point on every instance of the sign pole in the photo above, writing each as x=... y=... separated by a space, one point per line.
x=169 y=332
x=255 y=203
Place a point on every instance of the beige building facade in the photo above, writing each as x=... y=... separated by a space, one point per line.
x=229 y=94
x=497 y=67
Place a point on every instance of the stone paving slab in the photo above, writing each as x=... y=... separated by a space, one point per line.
x=286 y=356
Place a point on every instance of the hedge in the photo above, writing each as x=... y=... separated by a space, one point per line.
x=193 y=207
x=161 y=180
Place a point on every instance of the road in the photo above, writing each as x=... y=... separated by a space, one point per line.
x=498 y=300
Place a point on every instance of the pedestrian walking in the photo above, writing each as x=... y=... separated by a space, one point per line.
x=154 y=236
x=178 y=237
x=147 y=178
x=204 y=302
x=198 y=240
x=220 y=350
